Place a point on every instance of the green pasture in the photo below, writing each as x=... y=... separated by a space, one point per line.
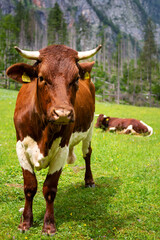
x=125 y=204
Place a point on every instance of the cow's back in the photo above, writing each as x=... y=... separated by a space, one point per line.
x=124 y=123
x=121 y=123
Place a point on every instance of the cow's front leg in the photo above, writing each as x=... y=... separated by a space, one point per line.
x=89 y=182
x=49 y=192
x=30 y=189
x=50 y=188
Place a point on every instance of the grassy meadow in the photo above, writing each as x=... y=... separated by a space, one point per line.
x=125 y=204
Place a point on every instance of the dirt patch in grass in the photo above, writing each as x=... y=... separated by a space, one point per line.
x=76 y=169
x=14 y=185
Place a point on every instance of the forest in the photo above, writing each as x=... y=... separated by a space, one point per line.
x=126 y=71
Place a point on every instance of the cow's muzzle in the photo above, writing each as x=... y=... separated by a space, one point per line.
x=62 y=116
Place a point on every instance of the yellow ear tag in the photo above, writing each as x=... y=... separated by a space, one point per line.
x=107 y=119
x=86 y=75
x=25 y=78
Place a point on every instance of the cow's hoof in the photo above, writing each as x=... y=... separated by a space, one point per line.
x=49 y=230
x=91 y=185
x=24 y=227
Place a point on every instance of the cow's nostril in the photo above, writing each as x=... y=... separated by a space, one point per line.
x=55 y=113
x=62 y=112
x=63 y=115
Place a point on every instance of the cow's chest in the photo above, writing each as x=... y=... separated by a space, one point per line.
x=30 y=157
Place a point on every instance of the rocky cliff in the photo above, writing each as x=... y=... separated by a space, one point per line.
x=127 y=16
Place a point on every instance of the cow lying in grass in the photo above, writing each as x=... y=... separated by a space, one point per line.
x=123 y=125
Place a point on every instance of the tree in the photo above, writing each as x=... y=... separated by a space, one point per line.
x=118 y=65
x=8 y=31
x=57 y=28
x=82 y=32
x=25 y=20
x=149 y=53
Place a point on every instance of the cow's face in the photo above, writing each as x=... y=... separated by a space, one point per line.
x=57 y=83
x=56 y=74
x=102 y=121
x=105 y=122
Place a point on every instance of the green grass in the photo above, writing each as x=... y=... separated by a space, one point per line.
x=126 y=201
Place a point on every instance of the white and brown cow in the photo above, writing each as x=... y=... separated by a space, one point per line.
x=123 y=125
x=54 y=112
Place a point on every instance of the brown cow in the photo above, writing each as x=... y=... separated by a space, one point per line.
x=123 y=125
x=54 y=112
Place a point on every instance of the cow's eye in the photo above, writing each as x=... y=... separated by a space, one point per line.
x=77 y=79
x=75 y=82
x=40 y=78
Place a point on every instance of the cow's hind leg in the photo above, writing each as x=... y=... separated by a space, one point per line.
x=87 y=151
x=30 y=189
x=49 y=192
x=89 y=182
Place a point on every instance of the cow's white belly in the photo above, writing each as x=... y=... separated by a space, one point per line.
x=30 y=157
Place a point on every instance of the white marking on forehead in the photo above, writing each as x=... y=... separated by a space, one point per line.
x=150 y=129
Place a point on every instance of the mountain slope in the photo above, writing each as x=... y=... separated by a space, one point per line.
x=127 y=16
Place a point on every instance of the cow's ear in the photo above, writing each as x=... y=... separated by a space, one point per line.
x=21 y=72
x=85 y=70
x=107 y=119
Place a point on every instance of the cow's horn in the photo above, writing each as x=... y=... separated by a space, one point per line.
x=88 y=54
x=34 y=55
